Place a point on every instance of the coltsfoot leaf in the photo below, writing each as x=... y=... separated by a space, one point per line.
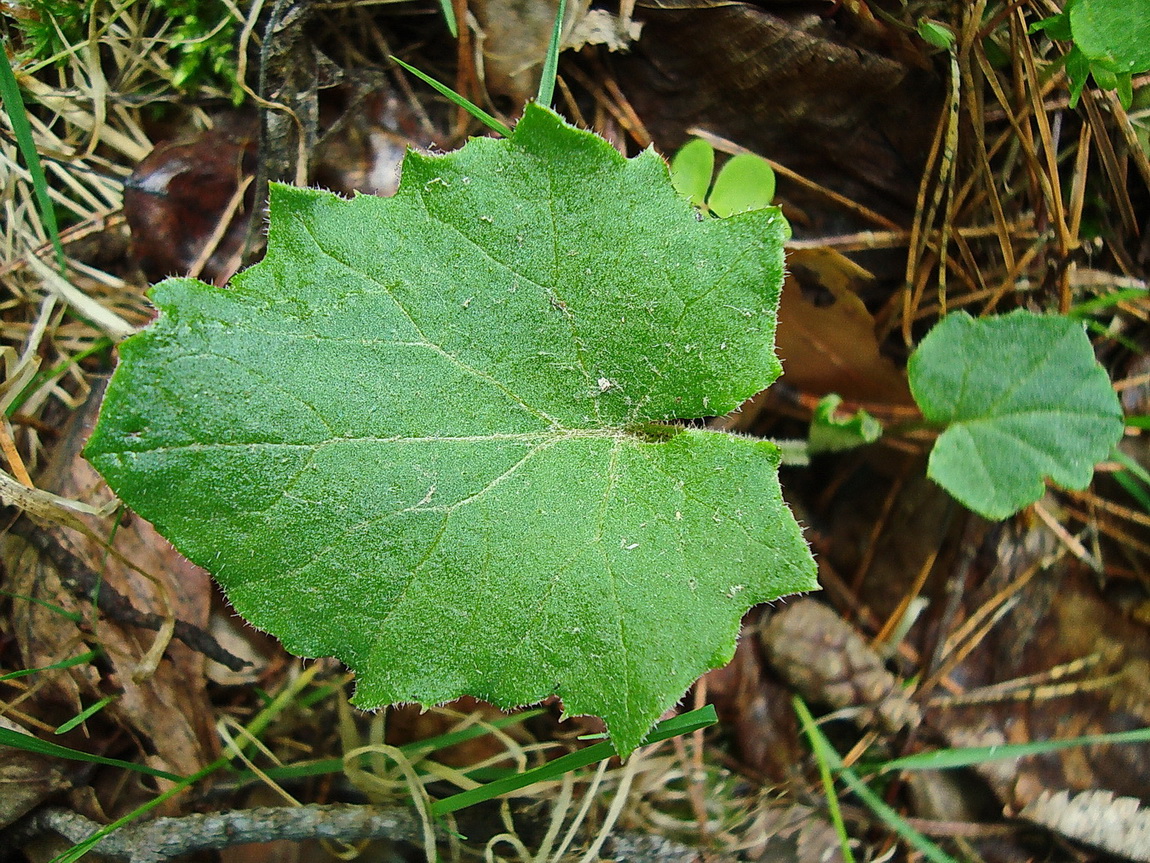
x=1022 y=398
x=425 y=434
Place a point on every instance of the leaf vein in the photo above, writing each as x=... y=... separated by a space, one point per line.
x=437 y=348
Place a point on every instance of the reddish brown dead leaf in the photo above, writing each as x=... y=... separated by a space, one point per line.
x=756 y=711
x=160 y=686
x=176 y=198
x=26 y=779
x=826 y=336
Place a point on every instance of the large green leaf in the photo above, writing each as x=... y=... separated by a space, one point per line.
x=1111 y=42
x=1022 y=397
x=423 y=434
x=1115 y=31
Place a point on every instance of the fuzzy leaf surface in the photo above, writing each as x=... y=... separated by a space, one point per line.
x=1022 y=398
x=422 y=435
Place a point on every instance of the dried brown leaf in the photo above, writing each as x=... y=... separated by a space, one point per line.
x=828 y=344
x=1120 y=825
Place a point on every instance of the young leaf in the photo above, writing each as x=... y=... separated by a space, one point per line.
x=1022 y=397
x=423 y=434
x=936 y=34
x=1056 y=26
x=691 y=170
x=830 y=432
x=746 y=182
x=1111 y=42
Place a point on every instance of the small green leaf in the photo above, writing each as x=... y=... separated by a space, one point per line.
x=746 y=182
x=832 y=433
x=1077 y=73
x=1125 y=88
x=691 y=170
x=936 y=34
x=1107 y=79
x=1022 y=398
x=1111 y=42
x=1056 y=27
x=417 y=436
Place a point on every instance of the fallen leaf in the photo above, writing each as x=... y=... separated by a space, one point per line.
x=830 y=346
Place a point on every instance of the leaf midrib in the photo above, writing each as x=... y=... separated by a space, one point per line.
x=548 y=437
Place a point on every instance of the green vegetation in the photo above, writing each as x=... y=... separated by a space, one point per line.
x=199 y=36
x=414 y=441
x=1111 y=43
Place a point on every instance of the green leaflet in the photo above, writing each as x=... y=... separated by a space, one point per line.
x=1022 y=398
x=745 y=182
x=417 y=435
x=830 y=432
x=691 y=170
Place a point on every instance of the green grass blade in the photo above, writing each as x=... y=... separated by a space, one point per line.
x=1136 y=469
x=80 y=849
x=28 y=743
x=893 y=820
x=1134 y=489
x=101 y=344
x=945 y=759
x=466 y=104
x=829 y=790
x=551 y=64
x=1133 y=477
x=876 y=804
x=1105 y=332
x=14 y=107
x=65 y=663
x=85 y=714
x=255 y=729
x=672 y=727
x=73 y=616
x=449 y=17
x=1106 y=301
